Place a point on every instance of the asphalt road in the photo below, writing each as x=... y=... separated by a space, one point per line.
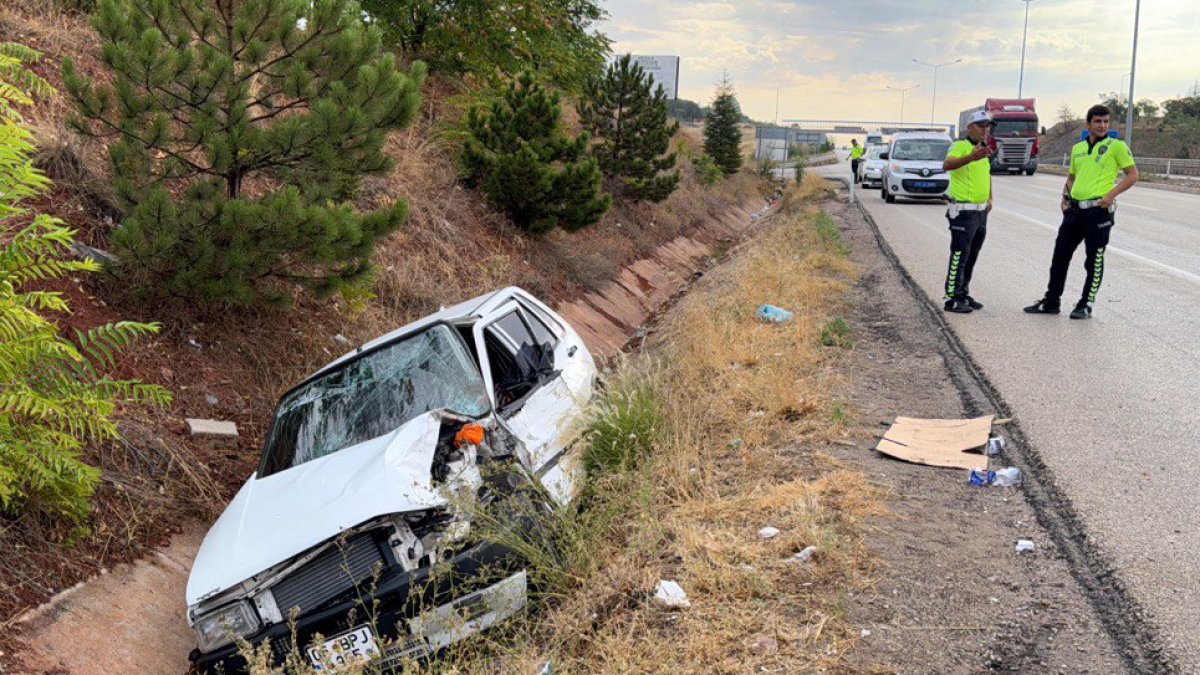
x=1113 y=403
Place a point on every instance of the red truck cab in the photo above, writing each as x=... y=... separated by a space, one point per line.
x=1013 y=141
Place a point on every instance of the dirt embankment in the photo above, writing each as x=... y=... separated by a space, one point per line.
x=233 y=365
x=1150 y=139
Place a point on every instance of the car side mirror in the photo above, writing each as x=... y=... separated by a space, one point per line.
x=883 y=155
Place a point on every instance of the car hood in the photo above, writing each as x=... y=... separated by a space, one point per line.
x=275 y=518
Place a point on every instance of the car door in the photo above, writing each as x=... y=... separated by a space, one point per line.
x=540 y=377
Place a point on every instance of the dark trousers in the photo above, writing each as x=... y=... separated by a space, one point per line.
x=854 y=168
x=967 y=233
x=1092 y=227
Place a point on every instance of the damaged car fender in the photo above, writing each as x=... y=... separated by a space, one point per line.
x=277 y=517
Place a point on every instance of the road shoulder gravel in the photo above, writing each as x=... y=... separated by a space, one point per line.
x=952 y=594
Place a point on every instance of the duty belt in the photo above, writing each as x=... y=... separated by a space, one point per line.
x=1091 y=204
x=956 y=208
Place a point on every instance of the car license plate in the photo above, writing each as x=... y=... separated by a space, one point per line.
x=352 y=647
x=924 y=184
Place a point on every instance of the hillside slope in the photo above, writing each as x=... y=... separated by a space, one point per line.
x=233 y=365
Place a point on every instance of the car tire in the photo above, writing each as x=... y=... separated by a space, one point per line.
x=1030 y=172
x=889 y=197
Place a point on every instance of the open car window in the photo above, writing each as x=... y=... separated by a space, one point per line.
x=519 y=359
x=373 y=395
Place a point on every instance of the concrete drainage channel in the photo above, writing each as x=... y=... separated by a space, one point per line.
x=1126 y=623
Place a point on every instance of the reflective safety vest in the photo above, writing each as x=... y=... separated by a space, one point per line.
x=1095 y=167
x=972 y=183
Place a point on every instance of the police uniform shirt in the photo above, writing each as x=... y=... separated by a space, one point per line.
x=971 y=183
x=1095 y=168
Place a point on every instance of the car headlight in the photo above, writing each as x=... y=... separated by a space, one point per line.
x=220 y=627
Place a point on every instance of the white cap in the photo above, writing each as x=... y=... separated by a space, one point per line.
x=980 y=117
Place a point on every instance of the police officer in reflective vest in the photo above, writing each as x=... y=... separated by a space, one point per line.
x=970 y=201
x=856 y=154
x=1089 y=209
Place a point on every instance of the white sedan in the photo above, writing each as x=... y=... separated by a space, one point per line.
x=871 y=169
x=371 y=479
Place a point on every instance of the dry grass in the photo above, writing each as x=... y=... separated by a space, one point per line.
x=723 y=418
x=742 y=406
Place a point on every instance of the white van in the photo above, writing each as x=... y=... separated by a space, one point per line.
x=875 y=138
x=914 y=166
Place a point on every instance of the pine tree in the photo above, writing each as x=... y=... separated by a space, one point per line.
x=518 y=153
x=242 y=129
x=632 y=125
x=488 y=40
x=54 y=394
x=722 y=138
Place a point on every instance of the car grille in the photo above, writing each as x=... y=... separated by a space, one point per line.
x=333 y=572
x=938 y=186
x=1014 y=152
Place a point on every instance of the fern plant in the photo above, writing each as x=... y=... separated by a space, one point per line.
x=55 y=395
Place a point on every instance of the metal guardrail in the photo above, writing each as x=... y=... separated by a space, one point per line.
x=1160 y=166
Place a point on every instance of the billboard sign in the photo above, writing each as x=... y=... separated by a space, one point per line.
x=663 y=70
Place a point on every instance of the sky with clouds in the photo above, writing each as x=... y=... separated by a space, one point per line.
x=835 y=58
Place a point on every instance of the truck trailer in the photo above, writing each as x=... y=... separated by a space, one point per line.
x=1013 y=140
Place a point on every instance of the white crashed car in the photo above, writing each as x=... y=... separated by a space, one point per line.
x=368 y=483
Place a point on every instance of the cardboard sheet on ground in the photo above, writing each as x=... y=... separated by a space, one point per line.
x=945 y=443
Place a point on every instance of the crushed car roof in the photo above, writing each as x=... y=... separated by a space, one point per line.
x=467 y=309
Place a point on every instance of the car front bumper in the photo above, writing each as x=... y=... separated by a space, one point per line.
x=907 y=187
x=402 y=600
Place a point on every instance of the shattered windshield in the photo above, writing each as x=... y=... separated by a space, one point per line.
x=920 y=149
x=373 y=395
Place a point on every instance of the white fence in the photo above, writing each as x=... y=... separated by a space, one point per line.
x=1153 y=165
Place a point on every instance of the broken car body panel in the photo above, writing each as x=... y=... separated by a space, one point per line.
x=360 y=452
x=278 y=517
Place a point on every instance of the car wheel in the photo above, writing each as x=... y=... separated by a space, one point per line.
x=1030 y=172
x=889 y=197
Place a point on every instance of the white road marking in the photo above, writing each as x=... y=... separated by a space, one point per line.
x=1120 y=205
x=1182 y=274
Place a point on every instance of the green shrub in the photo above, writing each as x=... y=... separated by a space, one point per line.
x=54 y=393
x=707 y=171
x=836 y=333
x=722 y=136
x=630 y=121
x=766 y=167
x=242 y=132
x=518 y=153
x=625 y=427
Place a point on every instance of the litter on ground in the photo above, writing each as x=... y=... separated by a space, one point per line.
x=669 y=594
x=1008 y=477
x=953 y=444
x=773 y=314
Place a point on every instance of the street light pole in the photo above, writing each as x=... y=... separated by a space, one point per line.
x=1137 y=12
x=933 y=104
x=1024 y=37
x=902 y=90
